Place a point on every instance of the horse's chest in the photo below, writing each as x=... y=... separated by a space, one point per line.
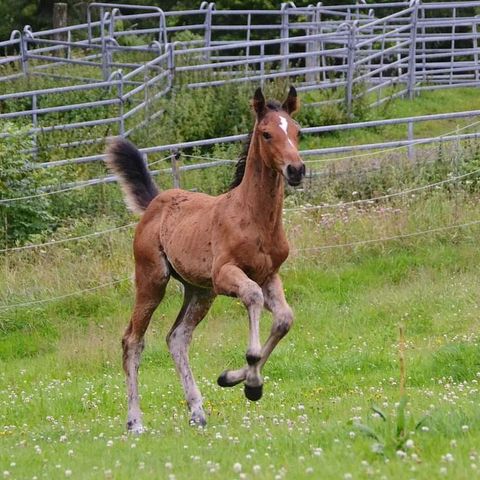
x=261 y=259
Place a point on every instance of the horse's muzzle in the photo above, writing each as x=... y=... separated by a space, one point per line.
x=295 y=174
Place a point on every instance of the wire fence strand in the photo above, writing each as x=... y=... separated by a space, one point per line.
x=382 y=197
x=61 y=297
x=385 y=239
x=65 y=240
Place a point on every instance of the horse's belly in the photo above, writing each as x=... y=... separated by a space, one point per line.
x=191 y=258
x=196 y=271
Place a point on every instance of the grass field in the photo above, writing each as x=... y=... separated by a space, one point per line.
x=62 y=395
x=62 y=399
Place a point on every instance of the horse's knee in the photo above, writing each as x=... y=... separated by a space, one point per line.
x=252 y=295
x=283 y=322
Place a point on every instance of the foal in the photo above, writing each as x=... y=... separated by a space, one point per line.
x=233 y=244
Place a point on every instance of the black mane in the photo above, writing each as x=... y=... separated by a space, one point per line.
x=242 y=159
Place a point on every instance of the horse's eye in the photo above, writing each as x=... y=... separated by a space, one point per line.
x=266 y=136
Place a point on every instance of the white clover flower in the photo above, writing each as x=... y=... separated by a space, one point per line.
x=68 y=473
x=409 y=443
x=237 y=467
x=448 y=457
x=401 y=454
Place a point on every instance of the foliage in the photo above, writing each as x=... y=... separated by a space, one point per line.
x=62 y=400
x=20 y=219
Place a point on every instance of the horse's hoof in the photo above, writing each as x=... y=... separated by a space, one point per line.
x=253 y=393
x=198 y=419
x=135 y=427
x=223 y=381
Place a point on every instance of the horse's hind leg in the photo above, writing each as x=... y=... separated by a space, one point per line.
x=151 y=280
x=196 y=304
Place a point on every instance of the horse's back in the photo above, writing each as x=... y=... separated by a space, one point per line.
x=179 y=223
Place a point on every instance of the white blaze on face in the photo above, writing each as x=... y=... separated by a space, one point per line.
x=283 y=125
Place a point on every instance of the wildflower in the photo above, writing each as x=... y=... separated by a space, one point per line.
x=168 y=465
x=256 y=469
x=448 y=457
x=68 y=473
x=409 y=443
x=237 y=467
x=465 y=428
x=401 y=454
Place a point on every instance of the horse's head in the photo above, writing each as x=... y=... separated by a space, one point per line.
x=278 y=134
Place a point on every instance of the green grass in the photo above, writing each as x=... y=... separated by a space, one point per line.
x=62 y=399
x=62 y=395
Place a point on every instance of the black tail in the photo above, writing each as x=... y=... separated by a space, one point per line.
x=127 y=162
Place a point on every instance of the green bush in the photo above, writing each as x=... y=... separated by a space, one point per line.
x=22 y=218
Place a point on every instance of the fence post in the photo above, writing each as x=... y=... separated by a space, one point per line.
x=175 y=170
x=208 y=28
x=475 y=46
x=352 y=26
x=412 y=52
x=452 y=46
x=411 y=147
x=285 y=33
x=162 y=27
x=262 y=64
x=35 y=123
x=247 y=51
x=311 y=62
x=424 y=43
x=111 y=24
x=24 y=47
x=170 y=48
x=320 y=43
x=121 y=119
x=60 y=21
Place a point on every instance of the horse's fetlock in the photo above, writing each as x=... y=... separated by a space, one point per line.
x=253 y=357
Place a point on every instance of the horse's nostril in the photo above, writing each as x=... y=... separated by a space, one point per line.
x=294 y=171
x=291 y=170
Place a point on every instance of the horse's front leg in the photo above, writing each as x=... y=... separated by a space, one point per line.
x=282 y=320
x=231 y=280
x=282 y=315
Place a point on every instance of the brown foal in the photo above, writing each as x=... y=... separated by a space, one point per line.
x=232 y=244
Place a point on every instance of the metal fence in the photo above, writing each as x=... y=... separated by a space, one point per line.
x=115 y=67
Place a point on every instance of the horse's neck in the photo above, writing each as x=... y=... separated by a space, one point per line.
x=261 y=190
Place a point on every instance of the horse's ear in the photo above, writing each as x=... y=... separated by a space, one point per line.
x=258 y=102
x=292 y=103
